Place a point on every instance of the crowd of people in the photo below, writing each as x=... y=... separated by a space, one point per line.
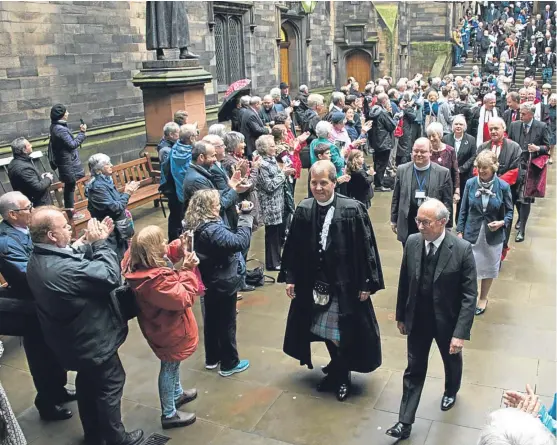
x=458 y=155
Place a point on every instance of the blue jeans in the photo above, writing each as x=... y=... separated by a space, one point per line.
x=170 y=387
x=458 y=52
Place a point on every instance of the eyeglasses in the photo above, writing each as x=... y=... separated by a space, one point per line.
x=424 y=223
x=29 y=207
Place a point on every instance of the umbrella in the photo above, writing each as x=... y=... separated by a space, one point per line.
x=238 y=88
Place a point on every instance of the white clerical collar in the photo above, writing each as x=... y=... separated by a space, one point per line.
x=326 y=203
x=436 y=243
x=422 y=169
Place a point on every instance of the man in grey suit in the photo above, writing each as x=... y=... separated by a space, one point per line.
x=415 y=181
x=437 y=293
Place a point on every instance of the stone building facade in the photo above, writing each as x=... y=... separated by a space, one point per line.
x=84 y=54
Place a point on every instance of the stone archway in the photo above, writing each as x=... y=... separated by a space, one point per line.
x=358 y=65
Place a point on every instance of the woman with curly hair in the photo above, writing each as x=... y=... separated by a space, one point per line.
x=359 y=186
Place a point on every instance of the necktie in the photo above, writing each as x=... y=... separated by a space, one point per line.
x=513 y=116
x=526 y=129
x=431 y=252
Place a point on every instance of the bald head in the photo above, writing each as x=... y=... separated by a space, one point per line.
x=49 y=226
x=324 y=168
x=432 y=218
x=218 y=143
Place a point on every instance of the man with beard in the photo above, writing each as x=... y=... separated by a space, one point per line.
x=331 y=267
x=268 y=112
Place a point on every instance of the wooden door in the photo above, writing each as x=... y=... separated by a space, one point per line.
x=358 y=65
x=284 y=64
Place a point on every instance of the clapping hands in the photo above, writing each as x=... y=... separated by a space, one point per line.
x=97 y=231
x=529 y=402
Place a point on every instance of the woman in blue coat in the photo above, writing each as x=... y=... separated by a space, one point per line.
x=486 y=209
x=64 y=152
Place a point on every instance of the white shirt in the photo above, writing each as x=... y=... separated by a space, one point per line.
x=436 y=243
x=22 y=229
x=457 y=143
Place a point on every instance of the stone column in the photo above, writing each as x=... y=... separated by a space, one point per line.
x=169 y=86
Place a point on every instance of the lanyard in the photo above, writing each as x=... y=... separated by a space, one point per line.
x=421 y=184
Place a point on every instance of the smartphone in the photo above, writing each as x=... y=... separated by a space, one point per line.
x=190 y=238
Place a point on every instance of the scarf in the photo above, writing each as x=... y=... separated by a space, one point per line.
x=485 y=187
x=482 y=121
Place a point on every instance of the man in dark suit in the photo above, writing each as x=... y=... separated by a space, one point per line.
x=531 y=30
x=437 y=293
x=533 y=138
x=414 y=182
x=547 y=62
x=513 y=103
x=465 y=147
x=252 y=126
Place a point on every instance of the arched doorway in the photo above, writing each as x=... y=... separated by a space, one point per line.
x=290 y=63
x=358 y=65
x=284 y=59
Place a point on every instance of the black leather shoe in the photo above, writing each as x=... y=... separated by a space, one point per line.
x=179 y=420
x=248 y=288
x=400 y=431
x=133 y=438
x=447 y=402
x=187 y=396
x=343 y=391
x=519 y=237
x=54 y=413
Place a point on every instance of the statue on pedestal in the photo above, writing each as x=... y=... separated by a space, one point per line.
x=167 y=27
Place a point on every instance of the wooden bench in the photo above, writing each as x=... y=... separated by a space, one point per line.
x=140 y=170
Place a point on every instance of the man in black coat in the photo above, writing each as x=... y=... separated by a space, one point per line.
x=414 y=182
x=381 y=138
x=17 y=309
x=252 y=126
x=437 y=293
x=331 y=267
x=24 y=176
x=171 y=133
x=533 y=138
x=81 y=319
x=302 y=100
x=512 y=113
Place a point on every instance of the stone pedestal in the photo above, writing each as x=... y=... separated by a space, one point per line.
x=169 y=86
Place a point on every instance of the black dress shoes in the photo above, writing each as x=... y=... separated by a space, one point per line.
x=400 y=431
x=54 y=413
x=180 y=419
x=187 y=396
x=343 y=391
x=519 y=237
x=133 y=438
x=447 y=402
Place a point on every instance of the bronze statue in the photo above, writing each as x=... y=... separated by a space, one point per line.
x=167 y=27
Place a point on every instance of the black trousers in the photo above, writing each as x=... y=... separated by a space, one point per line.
x=220 y=330
x=272 y=246
x=99 y=395
x=381 y=160
x=176 y=214
x=419 y=343
x=48 y=375
x=69 y=198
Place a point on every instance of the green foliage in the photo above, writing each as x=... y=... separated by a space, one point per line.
x=388 y=11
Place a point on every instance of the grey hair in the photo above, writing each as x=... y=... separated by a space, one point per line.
x=489 y=96
x=530 y=106
x=244 y=101
x=553 y=96
x=97 y=162
x=337 y=97
x=263 y=143
x=254 y=100
x=10 y=201
x=213 y=139
x=267 y=96
x=323 y=128
x=441 y=212
x=401 y=83
x=18 y=146
x=498 y=120
x=314 y=100
x=187 y=132
x=303 y=88
x=511 y=426
x=218 y=130
x=324 y=166
x=460 y=118
x=275 y=92
x=232 y=139
x=170 y=127
x=434 y=127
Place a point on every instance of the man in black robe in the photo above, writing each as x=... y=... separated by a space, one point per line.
x=167 y=27
x=331 y=266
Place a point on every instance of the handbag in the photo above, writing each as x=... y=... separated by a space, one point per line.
x=125 y=299
x=321 y=295
x=256 y=277
x=398 y=130
x=125 y=226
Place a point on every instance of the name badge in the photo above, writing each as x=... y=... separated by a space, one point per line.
x=420 y=194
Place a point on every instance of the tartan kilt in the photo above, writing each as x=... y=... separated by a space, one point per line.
x=325 y=323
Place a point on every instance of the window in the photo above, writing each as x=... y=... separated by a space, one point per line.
x=229 y=49
x=328 y=77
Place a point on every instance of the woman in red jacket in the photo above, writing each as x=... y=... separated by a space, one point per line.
x=165 y=297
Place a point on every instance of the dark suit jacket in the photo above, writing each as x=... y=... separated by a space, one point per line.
x=538 y=135
x=507 y=117
x=472 y=215
x=440 y=187
x=509 y=158
x=466 y=154
x=454 y=285
x=530 y=32
x=252 y=127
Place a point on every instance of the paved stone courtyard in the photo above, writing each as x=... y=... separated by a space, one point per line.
x=275 y=401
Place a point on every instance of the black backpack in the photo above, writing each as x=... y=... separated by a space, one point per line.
x=256 y=277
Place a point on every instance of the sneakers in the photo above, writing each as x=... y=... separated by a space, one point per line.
x=240 y=367
x=211 y=367
x=179 y=419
